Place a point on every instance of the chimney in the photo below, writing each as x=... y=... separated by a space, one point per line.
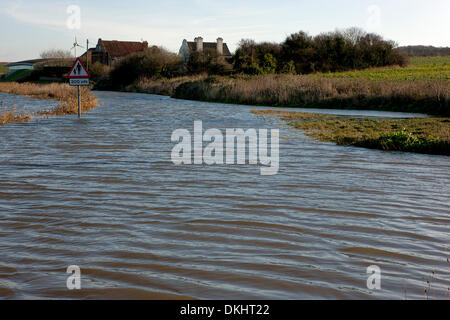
x=220 y=46
x=199 y=44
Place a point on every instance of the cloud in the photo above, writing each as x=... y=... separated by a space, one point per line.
x=43 y=14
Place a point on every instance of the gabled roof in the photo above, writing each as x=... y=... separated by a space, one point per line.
x=85 y=53
x=209 y=46
x=117 y=49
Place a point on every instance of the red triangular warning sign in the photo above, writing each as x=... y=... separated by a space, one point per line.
x=78 y=70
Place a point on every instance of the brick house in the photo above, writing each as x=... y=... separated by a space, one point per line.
x=108 y=52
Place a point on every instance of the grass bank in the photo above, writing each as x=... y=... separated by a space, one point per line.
x=422 y=87
x=421 y=96
x=3 y=69
x=420 y=135
x=65 y=94
x=162 y=86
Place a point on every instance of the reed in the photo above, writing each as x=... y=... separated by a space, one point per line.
x=425 y=96
x=12 y=116
x=65 y=94
x=162 y=86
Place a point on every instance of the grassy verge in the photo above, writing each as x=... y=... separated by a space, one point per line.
x=427 y=135
x=63 y=93
x=17 y=76
x=422 y=96
x=422 y=87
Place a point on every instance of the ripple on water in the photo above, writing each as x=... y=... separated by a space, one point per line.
x=103 y=194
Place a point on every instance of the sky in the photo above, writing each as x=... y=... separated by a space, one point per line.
x=28 y=27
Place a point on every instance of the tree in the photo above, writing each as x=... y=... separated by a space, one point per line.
x=269 y=64
x=341 y=50
x=256 y=58
x=153 y=62
x=299 y=47
x=353 y=34
x=288 y=68
x=56 y=54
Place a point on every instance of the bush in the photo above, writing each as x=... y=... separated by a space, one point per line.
x=269 y=64
x=208 y=62
x=99 y=71
x=288 y=68
x=349 y=49
x=256 y=58
x=153 y=62
x=220 y=67
x=403 y=141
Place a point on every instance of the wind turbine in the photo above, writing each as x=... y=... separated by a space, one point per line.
x=75 y=45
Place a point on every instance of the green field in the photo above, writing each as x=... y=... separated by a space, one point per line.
x=420 y=68
x=18 y=75
x=3 y=69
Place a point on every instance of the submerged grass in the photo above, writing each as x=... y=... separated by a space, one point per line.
x=420 y=135
x=12 y=116
x=65 y=94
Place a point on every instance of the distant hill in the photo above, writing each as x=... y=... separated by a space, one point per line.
x=422 y=51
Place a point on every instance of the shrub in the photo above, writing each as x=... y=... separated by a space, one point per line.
x=63 y=93
x=336 y=51
x=152 y=62
x=288 y=68
x=208 y=62
x=269 y=64
x=403 y=141
x=99 y=71
x=256 y=58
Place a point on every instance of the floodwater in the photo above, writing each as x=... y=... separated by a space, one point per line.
x=102 y=193
x=24 y=104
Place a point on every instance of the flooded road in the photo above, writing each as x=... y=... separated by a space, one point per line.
x=102 y=193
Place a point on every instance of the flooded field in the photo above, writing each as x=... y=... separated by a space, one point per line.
x=24 y=104
x=102 y=193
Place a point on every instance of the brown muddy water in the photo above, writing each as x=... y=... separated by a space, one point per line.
x=103 y=194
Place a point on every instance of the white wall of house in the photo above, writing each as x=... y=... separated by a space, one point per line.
x=12 y=69
x=184 y=52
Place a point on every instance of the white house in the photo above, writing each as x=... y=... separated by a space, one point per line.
x=198 y=45
x=23 y=65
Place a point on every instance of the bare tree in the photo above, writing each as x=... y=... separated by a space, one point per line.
x=56 y=54
x=354 y=34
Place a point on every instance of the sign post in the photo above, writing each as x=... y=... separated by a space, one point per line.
x=79 y=102
x=78 y=76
